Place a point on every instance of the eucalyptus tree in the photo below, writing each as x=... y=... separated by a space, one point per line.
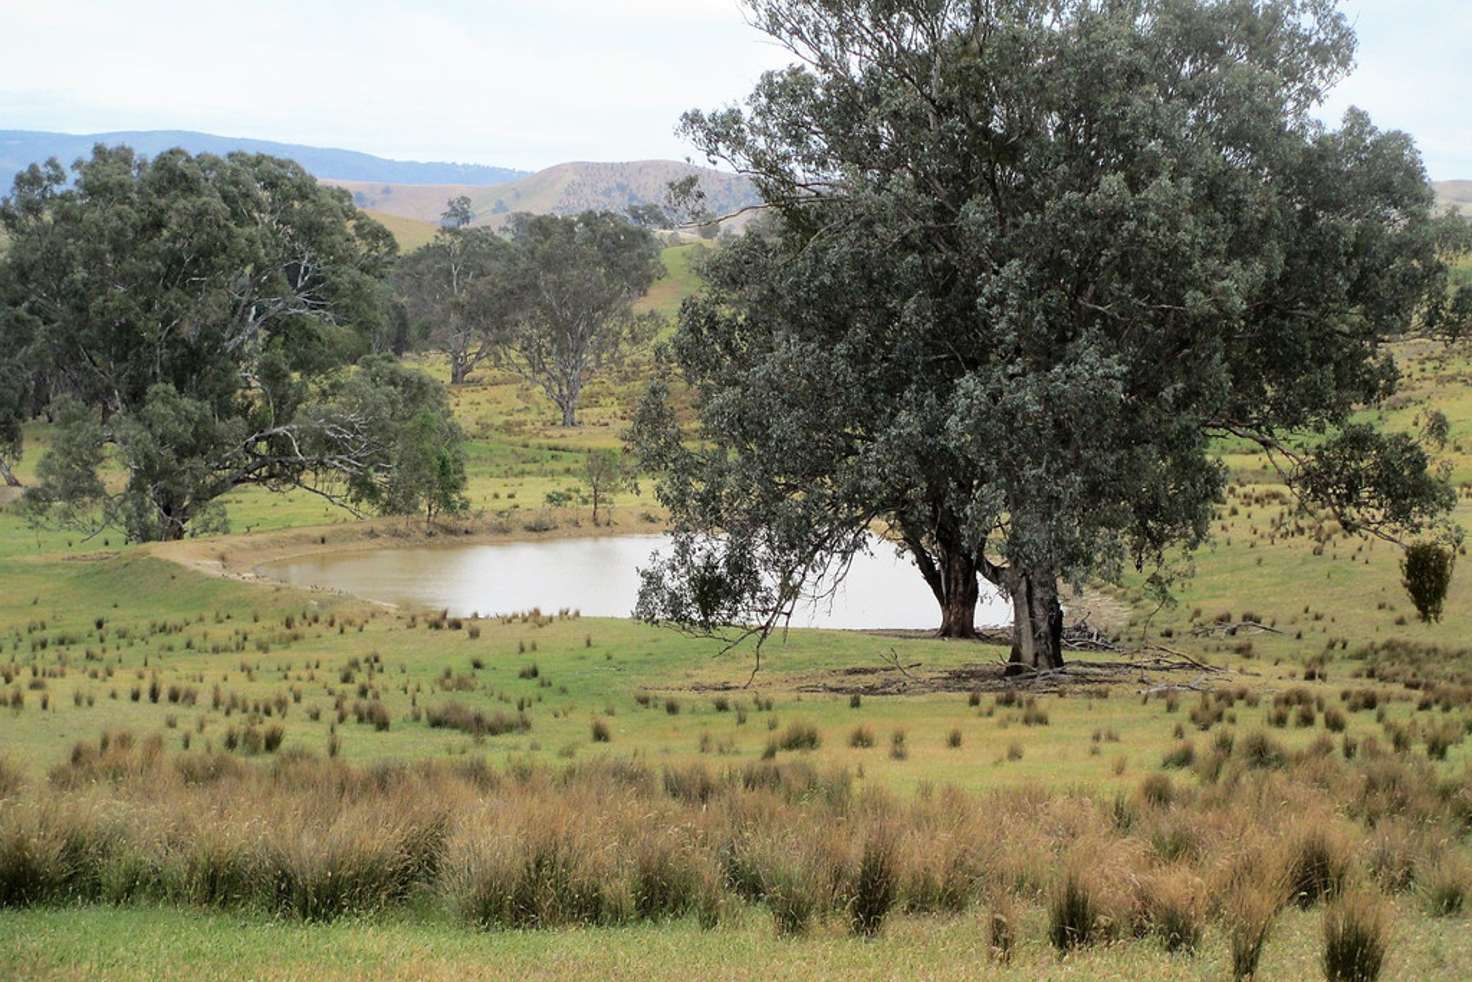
x=573 y=293
x=185 y=312
x=437 y=283
x=1024 y=261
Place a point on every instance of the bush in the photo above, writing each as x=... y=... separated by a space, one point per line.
x=1356 y=939
x=1426 y=573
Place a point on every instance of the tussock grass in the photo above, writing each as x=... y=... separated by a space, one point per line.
x=1356 y=938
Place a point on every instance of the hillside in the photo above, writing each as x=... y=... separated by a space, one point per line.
x=1456 y=194
x=20 y=148
x=410 y=233
x=559 y=190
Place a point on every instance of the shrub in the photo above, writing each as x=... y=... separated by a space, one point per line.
x=1426 y=573
x=1356 y=938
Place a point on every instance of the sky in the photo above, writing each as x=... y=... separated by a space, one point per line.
x=531 y=83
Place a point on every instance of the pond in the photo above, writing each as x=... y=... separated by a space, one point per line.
x=597 y=576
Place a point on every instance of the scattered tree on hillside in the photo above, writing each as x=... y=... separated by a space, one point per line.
x=576 y=281
x=605 y=474
x=1426 y=572
x=185 y=312
x=438 y=285
x=1027 y=261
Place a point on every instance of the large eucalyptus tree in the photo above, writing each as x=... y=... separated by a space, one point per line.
x=186 y=312
x=1025 y=260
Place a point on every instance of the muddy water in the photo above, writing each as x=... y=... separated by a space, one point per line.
x=597 y=576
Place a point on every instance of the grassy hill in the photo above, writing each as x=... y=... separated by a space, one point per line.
x=410 y=233
x=1454 y=194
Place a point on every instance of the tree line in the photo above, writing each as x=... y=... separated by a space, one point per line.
x=198 y=324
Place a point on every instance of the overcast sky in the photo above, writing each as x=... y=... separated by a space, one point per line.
x=529 y=83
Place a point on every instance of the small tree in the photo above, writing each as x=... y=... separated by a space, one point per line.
x=574 y=291
x=605 y=475
x=1426 y=572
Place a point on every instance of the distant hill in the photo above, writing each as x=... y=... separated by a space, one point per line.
x=1454 y=194
x=410 y=233
x=561 y=190
x=21 y=148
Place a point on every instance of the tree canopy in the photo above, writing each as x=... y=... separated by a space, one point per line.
x=1025 y=260
x=457 y=285
x=183 y=311
x=572 y=294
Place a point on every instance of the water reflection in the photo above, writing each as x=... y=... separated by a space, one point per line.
x=597 y=576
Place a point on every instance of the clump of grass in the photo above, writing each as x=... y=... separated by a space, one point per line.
x=800 y=736
x=1356 y=938
x=876 y=884
x=1249 y=912
x=1183 y=755
x=1157 y=790
x=1174 y=909
x=1319 y=861
x=1075 y=914
x=953 y=739
x=897 y=748
x=601 y=732
x=862 y=737
x=1444 y=885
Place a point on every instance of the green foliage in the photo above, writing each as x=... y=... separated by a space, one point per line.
x=186 y=304
x=1426 y=573
x=1012 y=338
x=571 y=295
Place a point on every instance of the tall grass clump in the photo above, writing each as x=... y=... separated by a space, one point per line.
x=1356 y=938
x=1075 y=914
x=876 y=885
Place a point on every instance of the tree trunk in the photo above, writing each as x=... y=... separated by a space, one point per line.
x=569 y=414
x=7 y=475
x=1037 y=623
x=458 y=370
x=957 y=596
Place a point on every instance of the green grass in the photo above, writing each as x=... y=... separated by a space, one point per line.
x=102 y=943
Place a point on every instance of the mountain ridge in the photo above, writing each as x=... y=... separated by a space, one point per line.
x=21 y=148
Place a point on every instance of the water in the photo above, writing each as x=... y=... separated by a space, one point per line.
x=597 y=576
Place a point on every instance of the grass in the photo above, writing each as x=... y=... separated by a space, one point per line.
x=86 y=623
